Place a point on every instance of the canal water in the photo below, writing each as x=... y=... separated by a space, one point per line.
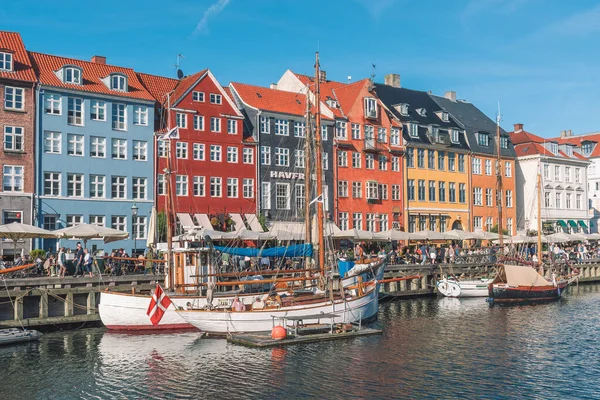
x=430 y=348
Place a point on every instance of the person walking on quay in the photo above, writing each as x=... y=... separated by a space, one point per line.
x=87 y=261
x=424 y=253
x=433 y=253
x=78 y=261
x=62 y=263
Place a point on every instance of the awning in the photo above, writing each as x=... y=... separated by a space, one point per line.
x=185 y=220
x=582 y=223
x=562 y=223
x=572 y=223
x=238 y=222
x=252 y=220
x=203 y=221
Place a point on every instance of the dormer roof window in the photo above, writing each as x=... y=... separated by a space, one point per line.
x=370 y=107
x=569 y=151
x=332 y=103
x=455 y=136
x=554 y=148
x=483 y=139
x=587 y=147
x=72 y=75
x=402 y=109
x=6 y=61
x=118 y=82
x=443 y=115
x=422 y=112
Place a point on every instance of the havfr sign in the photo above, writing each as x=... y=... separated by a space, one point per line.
x=287 y=175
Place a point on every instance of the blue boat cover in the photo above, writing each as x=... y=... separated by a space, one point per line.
x=296 y=250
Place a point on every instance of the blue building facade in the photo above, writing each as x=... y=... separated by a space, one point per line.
x=94 y=150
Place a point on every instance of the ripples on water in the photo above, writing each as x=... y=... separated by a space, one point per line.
x=430 y=348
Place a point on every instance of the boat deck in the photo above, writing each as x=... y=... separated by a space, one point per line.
x=263 y=340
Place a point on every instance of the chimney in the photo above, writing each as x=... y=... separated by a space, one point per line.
x=273 y=86
x=569 y=132
x=322 y=75
x=563 y=134
x=518 y=127
x=451 y=95
x=99 y=59
x=392 y=80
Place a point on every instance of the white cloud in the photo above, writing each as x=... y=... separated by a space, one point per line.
x=213 y=10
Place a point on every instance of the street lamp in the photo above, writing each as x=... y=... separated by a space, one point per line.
x=134 y=211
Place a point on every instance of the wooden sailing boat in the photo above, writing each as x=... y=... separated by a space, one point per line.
x=351 y=299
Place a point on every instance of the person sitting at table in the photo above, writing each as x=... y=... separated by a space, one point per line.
x=237 y=305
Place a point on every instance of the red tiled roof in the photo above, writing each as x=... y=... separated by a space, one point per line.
x=529 y=149
x=158 y=86
x=271 y=99
x=185 y=84
x=46 y=64
x=326 y=88
x=22 y=68
x=579 y=139
x=227 y=90
x=526 y=137
x=346 y=95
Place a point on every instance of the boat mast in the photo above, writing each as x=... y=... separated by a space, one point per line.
x=539 y=222
x=307 y=171
x=169 y=275
x=319 y=166
x=499 y=181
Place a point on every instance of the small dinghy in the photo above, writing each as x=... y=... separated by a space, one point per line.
x=14 y=335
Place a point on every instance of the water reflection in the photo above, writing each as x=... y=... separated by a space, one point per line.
x=430 y=348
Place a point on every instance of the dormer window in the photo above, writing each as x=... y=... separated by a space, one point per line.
x=445 y=116
x=422 y=112
x=587 y=148
x=414 y=130
x=504 y=142
x=332 y=103
x=402 y=109
x=6 y=61
x=72 y=75
x=118 y=82
x=554 y=148
x=569 y=151
x=455 y=136
x=483 y=139
x=370 y=107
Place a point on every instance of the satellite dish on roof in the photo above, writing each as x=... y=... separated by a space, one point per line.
x=179 y=74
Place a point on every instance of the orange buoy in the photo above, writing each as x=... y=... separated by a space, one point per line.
x=278 y=332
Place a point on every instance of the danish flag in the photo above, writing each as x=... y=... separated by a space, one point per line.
x=158 y=305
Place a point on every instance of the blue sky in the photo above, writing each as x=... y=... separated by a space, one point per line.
x=538 y=58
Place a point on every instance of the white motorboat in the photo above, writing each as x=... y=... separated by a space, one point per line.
x=451 y=287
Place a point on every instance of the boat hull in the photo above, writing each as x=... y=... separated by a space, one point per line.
x=13 y=335
x=525 y=294
x=467 y=288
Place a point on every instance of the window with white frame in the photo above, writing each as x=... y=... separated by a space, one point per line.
x=119 y=187
x=14 y=98
x=53 y=104
x=248 y=156
x=342 y=158
x=340 y=130
x=383 y=191
x=483 y=139
x=370 y=107
x=477 y=196
x=181 y=150
x=369 y=132
x=452 y=192
x=477 y=222
x=395 y=136
x=198 y=96
x=324 y=132
x=557 y=173
x=72 y=75
x=567 y=174
x=140 y=115
x=139 y=226
x=265 y=155
x=477 y=165
x=507 y=169
x=325 y=161
x=97 y=186
x=282 y=157
x=504 y=142
x=119 y=149
x=282 y=127
x=382 y=135
x=118 y=82
x=509 y=198
x=558 y=202
x=488 y=167
x=357 y=220
x=119 y=222
x=568 y=203
x=75 y=145
x=432 y=193
x=215 y=124
x=489 y=222
x=161 y=184
x=139 y=188
x=198 y=122
x=371 y=221
x=140 y=150
x=215 y=153
x=199 y=186
x=75 y=111
x=97 y=110
x=369 y=161
x=216 y=186
x=432 y=223
x=382 y=162
x=12 y=178
x=265 y=126
x=343 y=188
x=282 y=196
x=97 y=220
x=232 y=188
x=74 y=220
x=421 y=190
x=299 y=129
x=119 y=117
x=162 y=147
x=509 y=225
x=356 y=131
x=216 y=98
x=461 y=163
x=343 y=220
x=546 y=199
x=356 y=190
x=413 y=130
x=232 y=126
x=300 y=199
x=577 y=175
x=299 y=158
x=372 y=190
x=455 y=136
x=265 y=195
x=51 y=183
x=198 y=151
x=75 y=185
x=232 y=155
x=181 y=120
x=6 y=61
x=489 y=197
x=181 y=185
x=554 y=148
x=356 y=159
x=396 y=192
x=13 y=138
x=578 y=201
x=442 y=191
x=248 y=188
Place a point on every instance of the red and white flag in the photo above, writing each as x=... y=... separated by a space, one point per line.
x=158 y=305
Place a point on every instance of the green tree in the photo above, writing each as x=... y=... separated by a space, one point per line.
x=494 y=229
x=161 y=226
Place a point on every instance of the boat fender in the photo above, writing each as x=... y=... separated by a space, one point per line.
x=278 y=332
